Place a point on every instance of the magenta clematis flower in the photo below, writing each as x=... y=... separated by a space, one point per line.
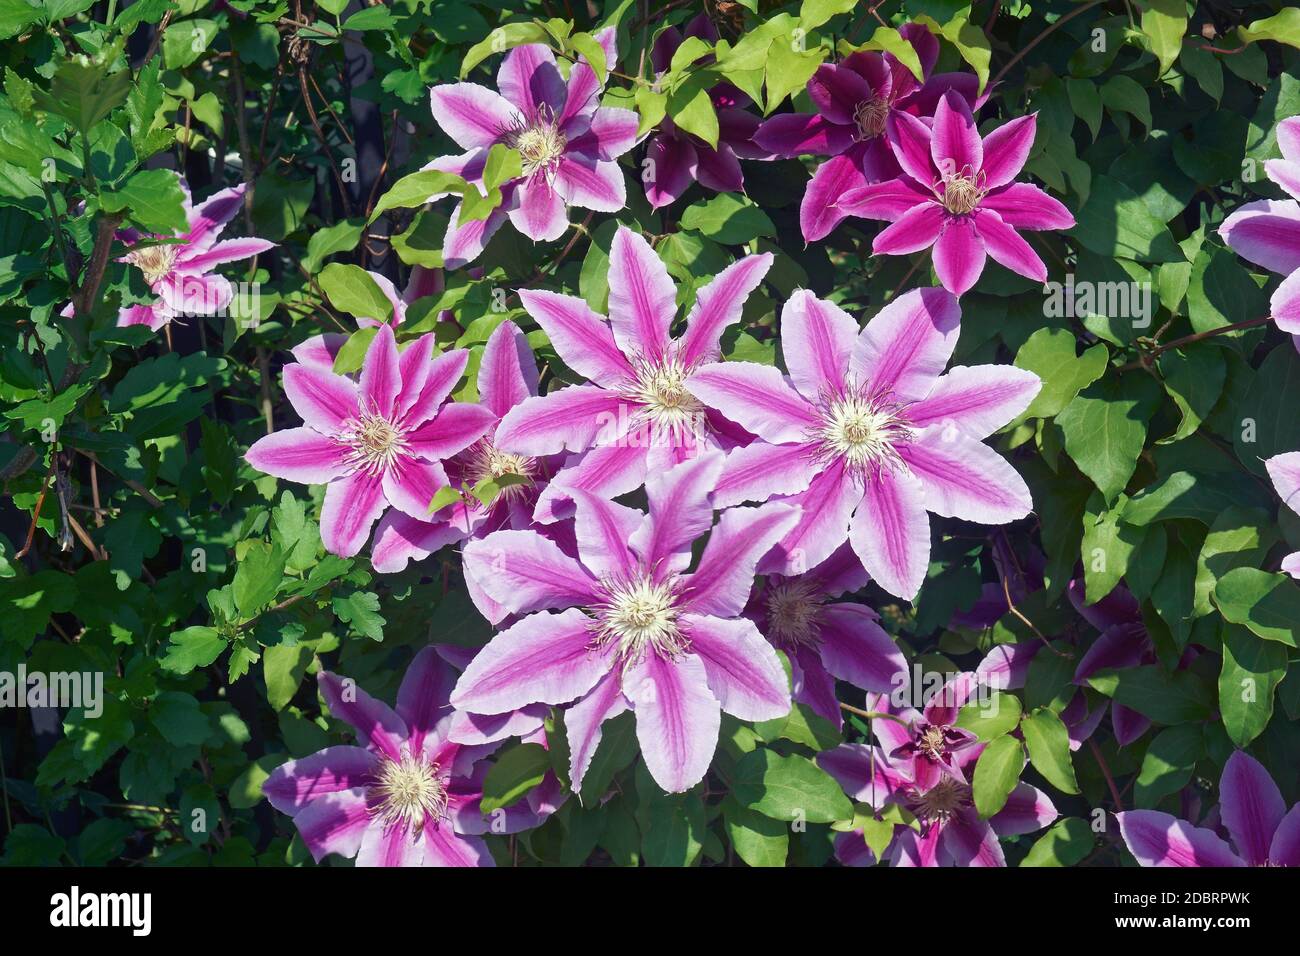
x=951 y=832
x=680 y=158
x=1267 y=232
x=1284 y=471
x=956 y=193
x=407 y=796
x=868 y=436
x=178 y=269
x=926 y=745
x=568 y=141
x=507 y=375
x=637 y=413
x=637 y=631
x=827 y=641
x=854 y=99
x=375 y=443
x=1263 y=831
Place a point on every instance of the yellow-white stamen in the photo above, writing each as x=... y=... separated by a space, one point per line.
x=375 y=441
x=639 y=614
x=659 y=388
x=862 y=430
x=485 y=461
x=963 y=192
x=408 y=793
x=870 y=116
x=154 y=261
x=540 y=142
x=792 y=611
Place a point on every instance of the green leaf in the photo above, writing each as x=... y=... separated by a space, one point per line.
x=179 y=719
x=503 y=38
x=154 y=199
x=361 y=610
x=1164 y=22
x=813 y=13
x=352 y=354
x=415 y=190
x=1168 y=764
x=1239 y=537
x=1194 y=378
x=788 y=788
x=193 y=647
x=1167 y=697
x=186 y=41
x=515 y=772
x=1050 y=354
x=1105 y=427
x=258 y=577
x=996 y=774
x=1067 y=843
x=283 y=668
x=691 y=108
x=591 y=50
x=343 y=236
x=728 y=218
x=1049 y=749
x=1268 y=604
x=1252 y=669
x=1284 y=27
x=758 y=840
x=83 y=91
x=1000 y=715
x=1115 y=221
x=353 y=290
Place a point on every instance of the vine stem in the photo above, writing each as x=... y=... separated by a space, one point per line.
x=1105 y=772
x=1040 y=38
x=873 y=714
x=1145 y=360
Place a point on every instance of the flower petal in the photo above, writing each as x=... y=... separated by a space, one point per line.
x=603 y=529
x=918 y=228
x=790 y=135
x=760 y=471
x=574 y=418
x=742 y=669
x=955 y=146
x=670 y=166
x=296 y=783
x=390 y=846
x=582 y=338
x=539 y=211
x=962 y=478
x=677 y=718
x=528 y=78
x=1007 y=148
x=721 y=582
x=456 y=427
x=378 y=726
x=324 y=400
x=582 y=723
x=1007 y=247
x=1251 y=806
x=817 y=338
x=590 y=183
x=977 y=399
x=756 y=397
x=1158 y=839
x=1025 y=206
x=527 y=572
x=906 y=346
x=507 y=373
x=886 y=200
x=228 y=250
x=821 y=209
x=680 y=511
x=401 y=538
x=911 y=139
x=891 y=533
x=352 y=505
x=718 y=306
x=410 y=485
x=300 y=454
x=827 y=506
x=472 y=115
x=443 y=846
x=857 y=649
x=608 y=471
x=959 y=255
x=335 y=823
x=642 y=296
x=969 y=841
x=464 y=243
x=422 y=700
x=1027 y=809
x=381 y=375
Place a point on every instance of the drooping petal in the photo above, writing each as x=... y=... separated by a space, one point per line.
x=335 y=823
x=443 y=846
x=812 y=684
x=1285 y=173
x=352 y=505
x=906 y=346
x=671 y=163
x=462 y=244
x=1284 y=472
x=642 y=297
x=401 y=538
x=479 y=729
x=422 y=700
x=324 y=400
x=677 y=718
x=1285 y=304
x=574 y=418
x=378 y=726
x=539 y=212
x=719 y=169
x=962 y=478
x=977 y=399
x=839 y=574
x=1251 y=805
x=970 y=841
x=857 y=649
x=590 y=183
x=837 y=91
x=756 y=397
x=608 y=471
x=1007 y=247
x=910 y=139
x=1285 y=848
x=1027 y=809
x=1025 y=206
x=410 y=485
x=582 y=338
x=456 y=427
x=680 y=511
x=863 y=772
x=603 y=529
x=742 y=669
x=472 y=115
x=300 y=454
x=545 y=658
x=296 y=783
x=918 y=228
x=394 y=846
x=527 y=572
x=718 y=306
x=760 y=471
x=890 y=532
x=959 y=255
x=821 y=209
x=507 y=373
x=207 y=219
x=721 y=583
x=817 y=338
x=1158 y=839
x=583 y=721
x=789 y=135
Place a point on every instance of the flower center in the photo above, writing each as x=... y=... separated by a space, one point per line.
x=941 y=801
x=660 y=389
x=639 y=615
x=487 y=462
x=962 y=193
x=375 y=442
x=870 y=116
x=408 y=793
x=792 y=612
x=932 y=741
x=154 y=261
x=540 y=143
x=863 y=430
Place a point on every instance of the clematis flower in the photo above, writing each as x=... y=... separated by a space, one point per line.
x=637 y=413
x=178 y=269
x=568 y=141
x=406 y=795
x=1284 y=471
x=373 y=443
x=950 y=831
x=507 y=375
x=636 y=631
x=854 y=99
x=1263 y=831
x=956 y=192
x=926 y=745
x=827 y=641
x=867 y=435
x=680 y=158
x=1267 y=232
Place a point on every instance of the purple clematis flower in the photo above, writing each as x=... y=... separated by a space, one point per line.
x=1263 y=831
x=951 y=832
x=407 y=796
x=827 y=641
x=926 y=745
x=868 y=435
x=680 y=158
x=1267 y=232
x=375 y=443
x=637 y=413
x=956 y=193
x=638 y=632
x=1284 y=471
x=854 y=99
x=507 y=375
x=568 y=141
x=178 y=269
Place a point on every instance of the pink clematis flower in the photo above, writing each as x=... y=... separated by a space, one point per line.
x=956 y=193
x=680 y=158
x=1284 y=471
x=1263 y=831
x=868 y=435
x=507 y=375
x=1267 y=232
x=568 y=141
x=375 y=443
x=408 y=795
x=951 y=832
x=854 y=99
x=178 y=269
x=637 y=413
x=827 y=641
x=637 y=631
